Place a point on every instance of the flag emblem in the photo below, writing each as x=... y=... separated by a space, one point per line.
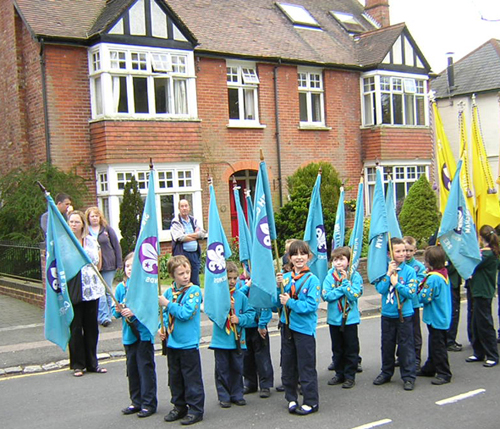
x=460 y=220
x=52 y=277
x=321 y=237
x=216 y=261
x=148 y=255
x=445 y=177
x=263 y=233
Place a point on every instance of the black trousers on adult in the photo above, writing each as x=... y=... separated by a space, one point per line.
x=229 y=374
x=485 y=341
x=345 y=349
x=394 y=331
x=437 y=359
x=185 y=380
x=298 y=363
x=257 y=364
x=84 y=335
x=141 y=373
x=194 y=260
x=451 y=337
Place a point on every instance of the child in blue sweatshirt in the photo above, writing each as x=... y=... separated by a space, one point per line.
x=435 y=294
x=342 y=292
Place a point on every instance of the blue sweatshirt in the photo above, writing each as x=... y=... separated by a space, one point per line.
x=436 y=298
x=420 y=272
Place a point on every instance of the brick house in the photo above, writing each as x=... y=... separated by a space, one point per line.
x=201 y=86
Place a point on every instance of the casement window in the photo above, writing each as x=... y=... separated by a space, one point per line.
x=242 y=93
x=173 y=183
x=394 y=100
x=403 y=177
x=142 y=82
x=311 y=97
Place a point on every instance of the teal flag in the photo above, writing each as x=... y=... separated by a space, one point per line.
x=339 y=229
x=457 y=232
x=65 y=257
x=250 y=210
x=217 y=298
x=379 y=228
x=315 y=235
x=356 y=239
x=392 y=219
x=244 y=237
x=142 y=295
x=263 y=289
x=264 y=184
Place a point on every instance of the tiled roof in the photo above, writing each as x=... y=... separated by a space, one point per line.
x=373 y=46
x=109 y=14
x=479 y=71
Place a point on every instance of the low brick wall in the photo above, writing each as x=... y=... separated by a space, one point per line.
x=27 y=291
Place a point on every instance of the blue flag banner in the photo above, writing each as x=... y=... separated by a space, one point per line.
x=263 y=288
x=457 y=232
x=217 y=298
x=379 y=228
x=250 y=209
x=356 y=239
x=65 y=257
x=244 y=237
x=142 y=295
x=263 y=177
x=392 y=219
x=315 y=235
x=339 y=230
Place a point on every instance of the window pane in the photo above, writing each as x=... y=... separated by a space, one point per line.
x=400 y=191
x=98 y=96
x=386 y=109
x=180 y=97
x=303 y=106
x=234 y=112
x=315 y=80
x=249 y=104
x=397 y=100
x=118 y=60
x=139 y=61
x=302 y=80
x=409 y=109
x=141 y=94
x=420 y=111
x=161 y=95
x=369 y=109
x=316 y=107
x=167 y=211
x=120 y=97
x=179 y=64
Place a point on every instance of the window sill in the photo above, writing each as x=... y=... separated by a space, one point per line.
x=417 y=127
x=246 y=125
x=311 y=127
x=142 y=118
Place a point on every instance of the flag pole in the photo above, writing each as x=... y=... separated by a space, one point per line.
x=400 y=309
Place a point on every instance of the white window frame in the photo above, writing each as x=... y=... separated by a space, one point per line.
x=241 y=76
x=411 y=88
x=311 y=84
x=180 y=185
x=402 y=173
x=145 y=66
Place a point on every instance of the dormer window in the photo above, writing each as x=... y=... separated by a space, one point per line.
x=348 y=21
x=298 y=15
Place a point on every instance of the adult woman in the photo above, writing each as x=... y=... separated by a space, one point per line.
x=111 y=257
x=84 y=289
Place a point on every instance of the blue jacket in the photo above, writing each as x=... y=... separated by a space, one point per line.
x=186 y=312
x=334 y=293
x=127 y=333
x=262 y=316
x=436 y=297
x=420 y=272
x=303 y=310
x=406 y=287
x=246 y=314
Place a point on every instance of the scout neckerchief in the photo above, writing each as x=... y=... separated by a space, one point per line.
x=338 y=281
x=177 y=295
x=294 y=293
x=442 y=272
x=230 y=326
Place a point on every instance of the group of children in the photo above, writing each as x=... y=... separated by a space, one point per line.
x=241 y=349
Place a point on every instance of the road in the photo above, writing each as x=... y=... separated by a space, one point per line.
x=58 y=400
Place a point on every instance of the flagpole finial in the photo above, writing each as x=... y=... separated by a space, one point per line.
x=210 y=181
x=320 y=171
x=261 y=155
x=151 y=166
x=42 y=188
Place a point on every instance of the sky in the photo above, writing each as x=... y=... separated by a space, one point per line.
x=442 y=26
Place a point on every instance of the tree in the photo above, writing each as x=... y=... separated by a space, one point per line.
x=130 y=216
x=419 y=215
x=23 y=203
x=292 y=217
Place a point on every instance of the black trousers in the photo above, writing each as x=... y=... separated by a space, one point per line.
x=394 y=331
x=257 y=364
x=485 y=341
x=194 y=260
x=470 y=311
x=437 y=360
x=228 y=374
x=84 y=335
x=417 y=336
x=298 y=363
x=451 y=337
x=345 y=350
x=185 y=381
x=141 y=373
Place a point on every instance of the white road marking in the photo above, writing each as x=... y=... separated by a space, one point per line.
x=460 y=397
x=374 y=424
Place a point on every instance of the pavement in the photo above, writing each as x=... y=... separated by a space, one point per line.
x=24 y=349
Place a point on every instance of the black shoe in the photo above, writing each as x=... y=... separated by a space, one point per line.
x=175 y=414
x=348 y=383
x=409 y=385
x=106 y=323
x=191 y=419
x=304 y=410
x=336 y=380
x=131 y=409
x=490 y=363
x=381 y=380
x=454 y=348
x=145 y=412
x=359 y=368
x=438 y=381
x=473 y=359
x=292 y=407
x=280 y=388
x=331 y=367
x=421 y=373
x=247 y=390
x=224 y=404
x=265 y=393
x=239 y=402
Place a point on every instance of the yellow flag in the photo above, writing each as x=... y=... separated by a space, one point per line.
x=446 y=162
x=487 y=203
x=464 y=155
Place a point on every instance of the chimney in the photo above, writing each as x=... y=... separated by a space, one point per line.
x=379 y=10
x=451 y=72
